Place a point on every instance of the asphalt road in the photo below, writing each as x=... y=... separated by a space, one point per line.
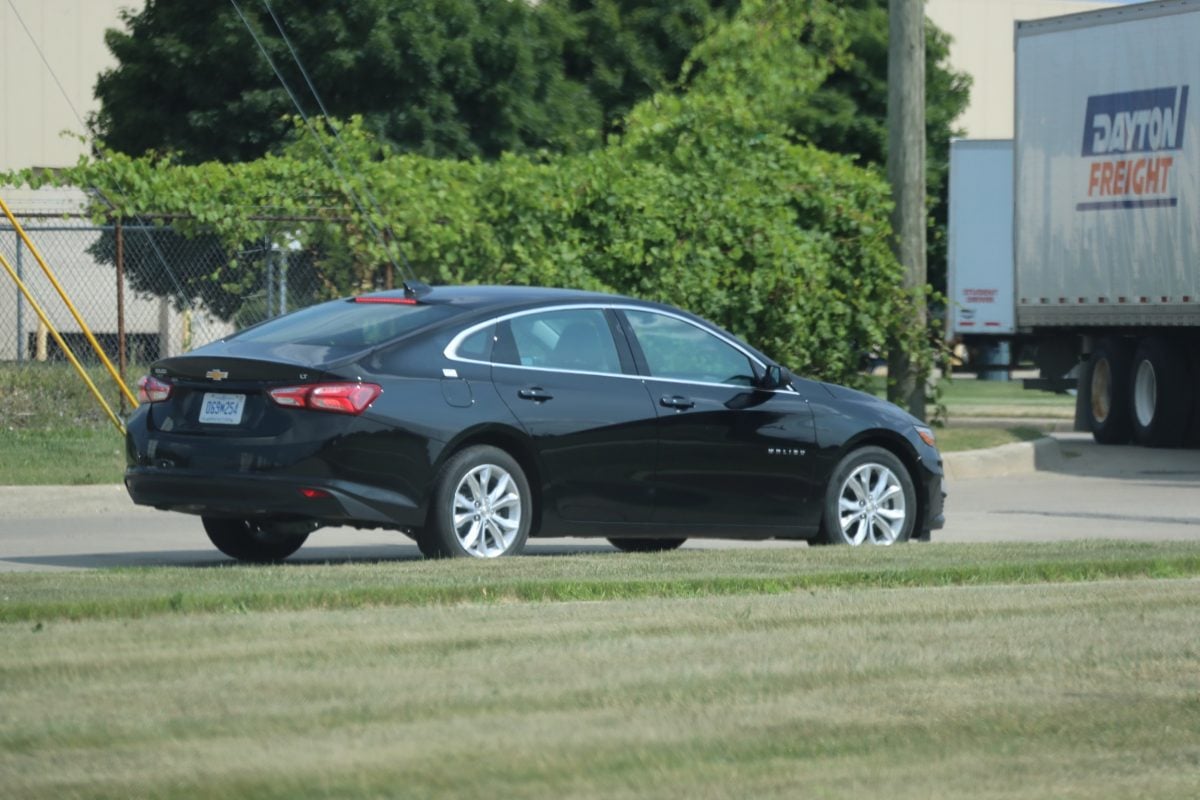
x=1085 y=492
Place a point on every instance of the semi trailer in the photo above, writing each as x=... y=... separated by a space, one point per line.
x=1104 y=287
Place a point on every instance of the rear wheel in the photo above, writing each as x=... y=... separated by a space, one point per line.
x=256 y=542
x=646 y=545
x=870 y=499
x=482 y=507
x=1108 y=409
x=1161 y=394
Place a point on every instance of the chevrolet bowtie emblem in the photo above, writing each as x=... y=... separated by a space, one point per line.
x=216 y=374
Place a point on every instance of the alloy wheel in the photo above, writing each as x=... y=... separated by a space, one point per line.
x=871 y=506
x=487 y=511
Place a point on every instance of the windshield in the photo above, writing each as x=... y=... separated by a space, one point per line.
x=342 y=327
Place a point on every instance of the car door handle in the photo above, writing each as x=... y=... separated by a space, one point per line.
x=535 y=393
x=677 y=402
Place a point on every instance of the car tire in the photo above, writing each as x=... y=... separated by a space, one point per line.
x=482 y=507
x=251 y=541
x=1108 y=414
x=1161 y=394
x=870 y=499
x=646 y=545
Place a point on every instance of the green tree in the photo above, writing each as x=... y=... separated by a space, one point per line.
x=442 y=78
x=457 y=78
x=625 y=50
x=848 y=113
x=705 y=200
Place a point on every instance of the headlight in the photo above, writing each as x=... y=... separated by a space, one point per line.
x=926 y=435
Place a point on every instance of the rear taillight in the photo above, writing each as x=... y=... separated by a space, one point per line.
x=152 y=390
x=340 y=398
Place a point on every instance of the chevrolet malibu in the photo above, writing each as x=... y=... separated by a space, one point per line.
x=473 y=418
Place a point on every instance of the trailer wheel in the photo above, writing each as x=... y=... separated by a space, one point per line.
x=1161 y=394
x=1108 y=409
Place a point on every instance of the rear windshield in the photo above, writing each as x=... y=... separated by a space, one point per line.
x=343 y=327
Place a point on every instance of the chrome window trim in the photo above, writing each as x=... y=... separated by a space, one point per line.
x=450 y=351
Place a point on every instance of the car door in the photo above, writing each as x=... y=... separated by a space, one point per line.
x=573 y=386
x=729 y=454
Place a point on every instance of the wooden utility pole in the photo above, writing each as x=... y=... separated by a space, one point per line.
x=906 y=173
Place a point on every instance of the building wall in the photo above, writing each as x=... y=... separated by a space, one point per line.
x=983 y=48
x=33 y=110
x=33 y=115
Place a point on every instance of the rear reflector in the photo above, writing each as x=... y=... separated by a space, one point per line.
x=399 y=301
x=315 y=494
x=152 y=390
x=339 y=398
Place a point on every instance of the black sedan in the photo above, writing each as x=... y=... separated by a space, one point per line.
x=472 y=418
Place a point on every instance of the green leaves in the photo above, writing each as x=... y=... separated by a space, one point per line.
x=705 y=201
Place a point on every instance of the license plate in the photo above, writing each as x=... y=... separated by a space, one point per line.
x=222 y=409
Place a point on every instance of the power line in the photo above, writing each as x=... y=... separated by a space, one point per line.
x=45 y=61
x=325 y=113
x=316 y=136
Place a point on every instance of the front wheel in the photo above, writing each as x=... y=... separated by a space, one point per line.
x=255 y=542
x=482 y=507
x=870 y=499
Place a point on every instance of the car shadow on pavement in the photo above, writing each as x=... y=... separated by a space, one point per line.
x=208 y=558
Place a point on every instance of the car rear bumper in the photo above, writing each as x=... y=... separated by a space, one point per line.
x=247 y=496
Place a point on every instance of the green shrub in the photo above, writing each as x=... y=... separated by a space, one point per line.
x=705 y=202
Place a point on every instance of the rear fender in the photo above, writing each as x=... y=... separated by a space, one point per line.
x=511 y=440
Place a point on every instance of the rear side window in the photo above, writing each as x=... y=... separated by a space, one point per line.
x=577 y=339
x=478 y=346
x=343 y=327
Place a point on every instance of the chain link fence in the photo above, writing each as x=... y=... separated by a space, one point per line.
x=145 y=291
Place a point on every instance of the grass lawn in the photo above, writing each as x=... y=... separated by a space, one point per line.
x=52 y=431
x=975 y=398
x=61 y=456
x=952 y=440
x=51 y=395
x=918 y=672
x=968 y=397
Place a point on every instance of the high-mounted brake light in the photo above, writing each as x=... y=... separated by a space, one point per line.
x=339 y=398
x=397 y=301
x=152 y=390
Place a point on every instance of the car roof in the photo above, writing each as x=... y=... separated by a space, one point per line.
x=487 y=297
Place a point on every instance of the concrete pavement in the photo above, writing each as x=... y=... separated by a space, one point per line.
x=1063 y=487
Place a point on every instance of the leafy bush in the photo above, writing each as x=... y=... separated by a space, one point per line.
x=704 y=202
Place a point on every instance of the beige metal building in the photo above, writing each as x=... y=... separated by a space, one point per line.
x=70 y=34
x=51 y=53
x=983 y=48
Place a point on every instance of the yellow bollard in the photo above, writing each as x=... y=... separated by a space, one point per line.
x=87 y=332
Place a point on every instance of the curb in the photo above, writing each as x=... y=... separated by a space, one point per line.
x=1018 y=458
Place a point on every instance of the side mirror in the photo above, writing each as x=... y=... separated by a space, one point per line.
x=776 y=377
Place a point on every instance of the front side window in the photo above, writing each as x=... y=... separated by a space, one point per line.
x=576 y=339
x=679 y=350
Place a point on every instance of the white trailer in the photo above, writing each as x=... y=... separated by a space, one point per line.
x=980 y=240
x=1106 y=239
